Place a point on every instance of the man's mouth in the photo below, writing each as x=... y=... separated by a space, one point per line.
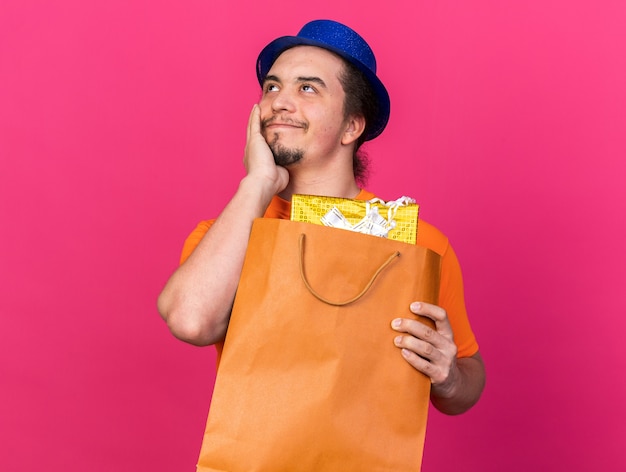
x=275 y=123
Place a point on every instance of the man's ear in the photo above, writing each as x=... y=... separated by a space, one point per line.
x=355 y=126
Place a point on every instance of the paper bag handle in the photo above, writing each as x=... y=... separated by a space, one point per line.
x=353 y=299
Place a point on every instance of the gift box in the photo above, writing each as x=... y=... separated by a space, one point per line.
x=397 y=219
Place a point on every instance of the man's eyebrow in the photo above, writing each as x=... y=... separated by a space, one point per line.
x=271 y=78
x=316 y=80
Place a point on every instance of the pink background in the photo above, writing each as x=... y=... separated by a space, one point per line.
x=122 y=124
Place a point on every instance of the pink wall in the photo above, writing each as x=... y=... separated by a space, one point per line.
x=122 y=123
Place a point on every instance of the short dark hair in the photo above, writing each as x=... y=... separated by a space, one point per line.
x=359 y=100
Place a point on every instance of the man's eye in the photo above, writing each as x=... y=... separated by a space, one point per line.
x=307 y=88
x=271 y=88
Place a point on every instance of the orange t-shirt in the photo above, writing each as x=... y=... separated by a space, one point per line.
x=451 y=296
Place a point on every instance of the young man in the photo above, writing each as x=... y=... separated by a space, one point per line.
x=321 y=100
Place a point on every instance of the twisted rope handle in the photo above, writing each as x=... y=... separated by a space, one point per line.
x=353 y=299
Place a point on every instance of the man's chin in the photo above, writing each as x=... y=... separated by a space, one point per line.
x=286 y=157
x=288 y=165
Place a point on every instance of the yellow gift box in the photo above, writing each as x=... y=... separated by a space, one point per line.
x=393 y=219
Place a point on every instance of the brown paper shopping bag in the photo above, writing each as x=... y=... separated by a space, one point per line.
x=309 y=379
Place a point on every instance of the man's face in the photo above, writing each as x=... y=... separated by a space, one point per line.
x=302 y=105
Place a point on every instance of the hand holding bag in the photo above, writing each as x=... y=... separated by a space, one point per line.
x=309 y=378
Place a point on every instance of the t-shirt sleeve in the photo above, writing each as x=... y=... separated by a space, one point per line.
x=194 y=239
x=452 y=299
x=451 y=292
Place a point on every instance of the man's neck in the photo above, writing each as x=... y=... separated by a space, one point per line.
x=331 y=176
x=329 y=185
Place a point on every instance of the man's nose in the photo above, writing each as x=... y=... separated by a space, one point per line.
x=283 y=101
